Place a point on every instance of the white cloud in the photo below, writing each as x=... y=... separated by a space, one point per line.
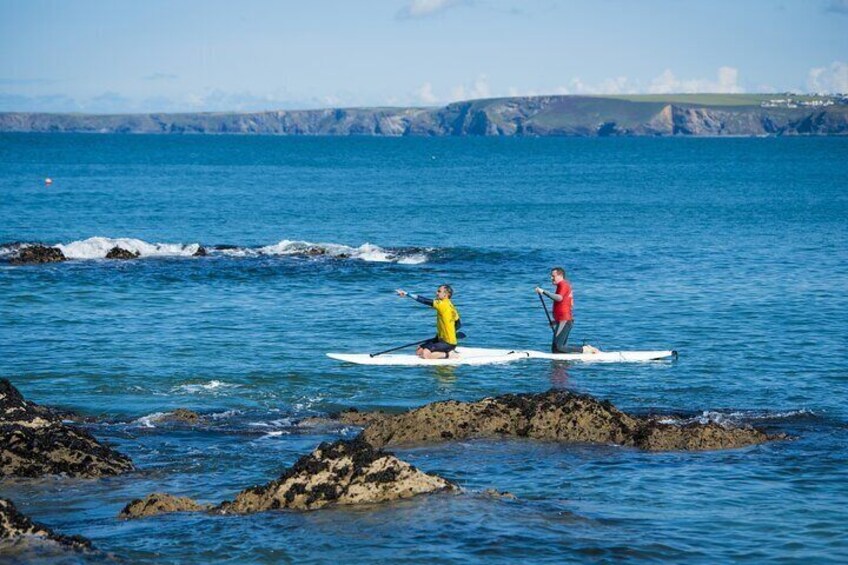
x=425 y=94
x=479 y=88
x=668 y=83
x=425 y=8
x=829 y=79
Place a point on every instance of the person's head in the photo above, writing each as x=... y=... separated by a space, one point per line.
x=557 y=274
x=444 y=291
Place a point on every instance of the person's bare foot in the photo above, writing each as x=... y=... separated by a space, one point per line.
x=590 y=349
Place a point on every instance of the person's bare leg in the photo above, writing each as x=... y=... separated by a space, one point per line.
x=433 y=354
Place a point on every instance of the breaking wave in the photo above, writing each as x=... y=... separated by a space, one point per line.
x=735 y=418
x=98 y=247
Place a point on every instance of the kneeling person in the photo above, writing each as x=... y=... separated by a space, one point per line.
x=447 y=323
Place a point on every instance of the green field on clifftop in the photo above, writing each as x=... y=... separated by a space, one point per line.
x=709 y=99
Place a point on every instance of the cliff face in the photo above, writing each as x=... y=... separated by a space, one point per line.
x=526 y=116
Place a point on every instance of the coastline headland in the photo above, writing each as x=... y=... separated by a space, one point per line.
x=708 y=115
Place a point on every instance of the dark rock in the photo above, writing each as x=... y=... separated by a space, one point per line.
x=15 y=526
x=32 y=254
x=182 y=415
x=160 y=503
x=344 y=472
x=554 y=416
x=121 y=253
x=201 y=252
x=503 y=495
x=34 y=442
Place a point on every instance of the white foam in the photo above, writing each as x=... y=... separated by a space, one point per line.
x=224 y=415
x=416 y=259
x=147 y=421
x=365 y=252
x=98 y=247
x=204 y=387
x=274 y=434
x=733 y=418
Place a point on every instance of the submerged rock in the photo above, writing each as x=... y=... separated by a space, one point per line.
x=344 y=472
x=121 y=253
x=33 y=254
x=555 y=416
x=503 y=495
x=15 y=526
x=179 y=415
x=34 y=441
x=160 y=503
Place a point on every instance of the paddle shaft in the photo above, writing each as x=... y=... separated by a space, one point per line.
x=460 y=335
x=547 y=315
x=400 y=347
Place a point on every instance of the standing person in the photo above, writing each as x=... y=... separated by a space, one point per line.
x=563 y=314
x=447 y=322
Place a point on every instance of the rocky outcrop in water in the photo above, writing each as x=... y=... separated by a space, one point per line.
x=121 y=253
x=344 y=472
x=180 y=415
x=339 y=473
x=672 y=115
x=34 y=442
x=553 y=416
x=34 y=254
x=14 y=526
x=160 y=503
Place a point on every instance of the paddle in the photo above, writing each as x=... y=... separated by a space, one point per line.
x=547 y=315
x=459 y=335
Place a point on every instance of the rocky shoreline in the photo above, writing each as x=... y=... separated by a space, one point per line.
x=35 y=441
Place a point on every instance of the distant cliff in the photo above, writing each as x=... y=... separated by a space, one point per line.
x=684 y=115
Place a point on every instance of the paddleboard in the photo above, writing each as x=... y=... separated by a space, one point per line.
x=484 y=356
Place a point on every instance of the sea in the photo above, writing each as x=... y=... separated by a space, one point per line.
x=733 y=251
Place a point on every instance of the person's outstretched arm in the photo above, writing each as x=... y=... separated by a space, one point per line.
x=416 y=297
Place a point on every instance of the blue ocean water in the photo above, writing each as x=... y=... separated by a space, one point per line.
x=732 y=251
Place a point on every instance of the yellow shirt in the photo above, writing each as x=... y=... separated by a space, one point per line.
x=446 y=317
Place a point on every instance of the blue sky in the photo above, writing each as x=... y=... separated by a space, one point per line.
x=209 y=55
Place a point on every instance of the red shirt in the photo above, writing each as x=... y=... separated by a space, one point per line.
x=562 y=309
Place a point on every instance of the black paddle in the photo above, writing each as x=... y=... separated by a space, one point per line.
x=547 y=315
x=459 y=335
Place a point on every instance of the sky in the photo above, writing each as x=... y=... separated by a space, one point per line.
x=118 y=56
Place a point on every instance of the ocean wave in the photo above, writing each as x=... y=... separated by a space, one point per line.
x=147 y=421
x=213 y=386
x=98 y=247
x=728 y=419
x=365 y=252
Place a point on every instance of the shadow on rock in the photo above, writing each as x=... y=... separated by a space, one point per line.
x=14 y=526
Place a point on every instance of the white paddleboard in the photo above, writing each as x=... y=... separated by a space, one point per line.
x=483 y=356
